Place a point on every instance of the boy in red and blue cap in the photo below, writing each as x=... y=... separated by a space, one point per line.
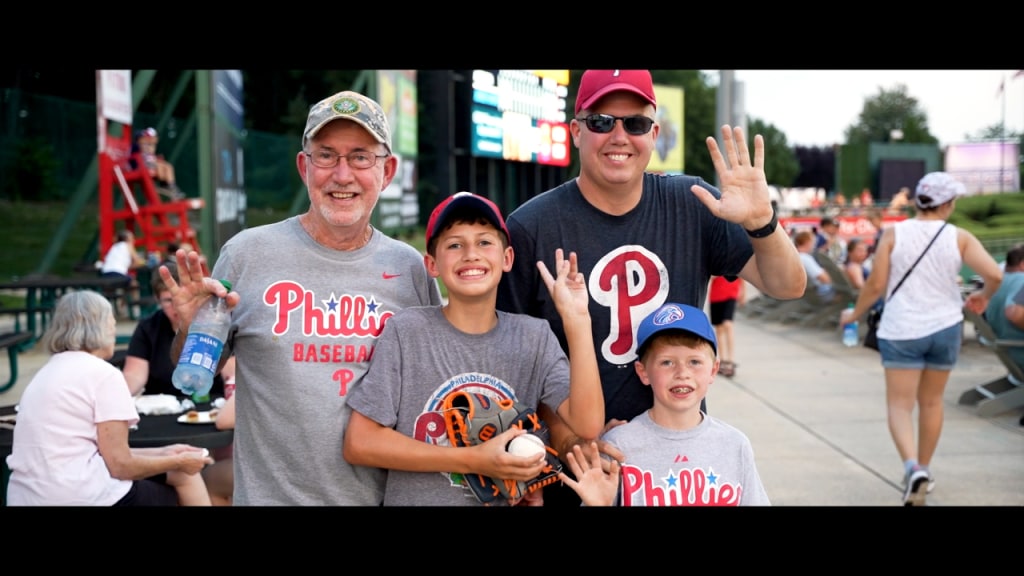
x=425 y=354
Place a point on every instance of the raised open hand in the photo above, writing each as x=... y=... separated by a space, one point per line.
x=744 y=188
x=192 y=289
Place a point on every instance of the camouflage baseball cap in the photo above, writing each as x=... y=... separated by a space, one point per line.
x=348 y=106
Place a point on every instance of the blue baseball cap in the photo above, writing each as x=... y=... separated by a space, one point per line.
x=672 y=316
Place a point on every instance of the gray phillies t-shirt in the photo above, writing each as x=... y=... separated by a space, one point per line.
x=711 y=464
x=421 y=358
x=307 y=325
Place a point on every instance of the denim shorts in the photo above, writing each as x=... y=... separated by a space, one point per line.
x=937 y=351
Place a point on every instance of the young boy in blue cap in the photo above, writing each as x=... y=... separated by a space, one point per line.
x=676 y=455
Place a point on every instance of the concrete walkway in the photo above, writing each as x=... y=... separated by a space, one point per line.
x=815 y=413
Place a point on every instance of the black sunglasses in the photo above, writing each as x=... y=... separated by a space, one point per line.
x=605 y=123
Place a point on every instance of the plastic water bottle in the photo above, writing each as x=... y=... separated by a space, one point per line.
x=850 y=331
x=200 y=355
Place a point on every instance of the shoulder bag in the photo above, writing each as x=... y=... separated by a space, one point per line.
x=875 y=314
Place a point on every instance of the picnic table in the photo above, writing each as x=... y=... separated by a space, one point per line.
x=43 y=290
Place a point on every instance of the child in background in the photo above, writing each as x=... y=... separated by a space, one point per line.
x=160 y=169
x=426 y=353
x=122 y=257
x=676 y=455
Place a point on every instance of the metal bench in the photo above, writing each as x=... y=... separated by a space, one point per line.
x=1002 y=394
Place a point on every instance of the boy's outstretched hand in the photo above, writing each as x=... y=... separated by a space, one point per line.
x=594 y=486
x=568 y=289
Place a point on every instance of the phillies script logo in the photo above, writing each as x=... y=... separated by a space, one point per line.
x=691 y=487
x=345 y=316
x=631 y=282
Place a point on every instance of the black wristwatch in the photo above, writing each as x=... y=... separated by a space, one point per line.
x=768 y=228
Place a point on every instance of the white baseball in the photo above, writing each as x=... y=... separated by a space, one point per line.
x=525 y=445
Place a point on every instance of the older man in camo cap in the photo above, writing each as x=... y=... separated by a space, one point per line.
x=314 y=292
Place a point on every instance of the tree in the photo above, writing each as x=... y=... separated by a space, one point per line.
x=781 y=166
x=995 y=132
x=887 y=112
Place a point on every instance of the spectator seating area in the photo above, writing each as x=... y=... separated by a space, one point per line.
x=1002 y=394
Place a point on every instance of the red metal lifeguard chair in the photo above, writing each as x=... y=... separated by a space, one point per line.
x=155 y=221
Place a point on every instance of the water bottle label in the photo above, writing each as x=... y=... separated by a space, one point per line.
x=201 y=350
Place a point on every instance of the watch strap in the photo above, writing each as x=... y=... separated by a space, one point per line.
x=767 y=229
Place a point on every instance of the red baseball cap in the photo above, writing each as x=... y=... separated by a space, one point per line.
x=483 y=205
x=597 y=83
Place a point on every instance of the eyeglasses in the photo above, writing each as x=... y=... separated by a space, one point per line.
x=358 y=160
x=605 y=123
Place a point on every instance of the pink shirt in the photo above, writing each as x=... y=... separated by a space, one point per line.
x=55 y=458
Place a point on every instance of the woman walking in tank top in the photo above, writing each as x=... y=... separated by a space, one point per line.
x=920 y=333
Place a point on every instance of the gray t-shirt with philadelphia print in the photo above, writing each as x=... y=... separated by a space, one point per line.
x=421 y=358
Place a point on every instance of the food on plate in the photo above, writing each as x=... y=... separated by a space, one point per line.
x=213 y=414
x=192 y=416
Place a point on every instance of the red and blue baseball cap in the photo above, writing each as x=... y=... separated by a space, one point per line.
x=672 y=316
x=444 y=210
x=597 y=83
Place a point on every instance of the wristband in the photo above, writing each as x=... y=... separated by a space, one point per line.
x=768 y=229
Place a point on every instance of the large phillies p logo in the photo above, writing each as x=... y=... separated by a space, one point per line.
x=631 y=282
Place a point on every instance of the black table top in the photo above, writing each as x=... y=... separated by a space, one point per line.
x=153 y=432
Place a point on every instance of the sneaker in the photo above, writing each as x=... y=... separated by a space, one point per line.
x=931 y=483
x=916 y=487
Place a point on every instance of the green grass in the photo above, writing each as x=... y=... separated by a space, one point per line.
x=28 y=229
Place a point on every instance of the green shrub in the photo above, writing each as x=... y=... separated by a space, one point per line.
x=995 y=219
x=1008 y=203
x=33 y=171
x=1008 y=221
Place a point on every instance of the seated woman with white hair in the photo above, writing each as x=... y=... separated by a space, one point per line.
x=70 y=443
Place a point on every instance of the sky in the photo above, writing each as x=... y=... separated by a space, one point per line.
x=813 y=108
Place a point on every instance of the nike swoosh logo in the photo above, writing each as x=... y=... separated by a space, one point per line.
x=387 y=276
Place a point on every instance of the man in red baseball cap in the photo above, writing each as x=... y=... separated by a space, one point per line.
x=643 y=239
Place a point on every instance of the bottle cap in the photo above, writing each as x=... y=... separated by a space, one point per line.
x=226 y=284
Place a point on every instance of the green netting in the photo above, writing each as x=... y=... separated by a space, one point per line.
x=47 y=145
